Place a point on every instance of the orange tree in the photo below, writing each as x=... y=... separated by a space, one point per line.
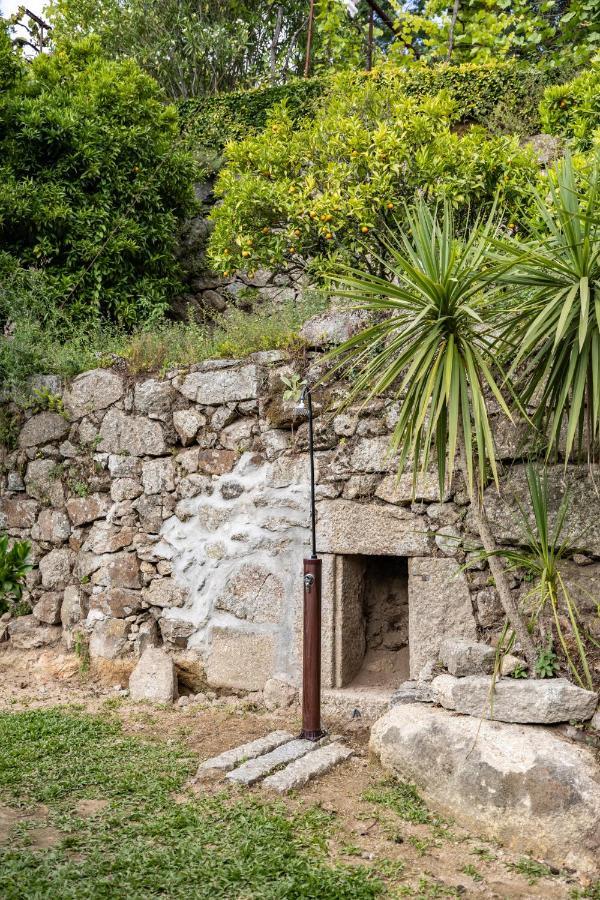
x=322 y=189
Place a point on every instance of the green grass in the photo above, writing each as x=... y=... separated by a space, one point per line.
x=57 y=346
x=530 y=869
x=402 y=798
x=144 y=844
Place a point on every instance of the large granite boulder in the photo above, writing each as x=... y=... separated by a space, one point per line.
x=522 y=785
x=515 y=700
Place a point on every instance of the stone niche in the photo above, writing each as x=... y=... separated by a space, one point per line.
x=372 y=621
x=385 y=616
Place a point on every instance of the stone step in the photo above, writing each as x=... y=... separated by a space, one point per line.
x=228 y=760
x=255 y=769
x=301 y=771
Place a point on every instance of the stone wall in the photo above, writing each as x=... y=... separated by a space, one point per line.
x=175 y=511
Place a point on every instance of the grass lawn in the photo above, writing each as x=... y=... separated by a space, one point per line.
x=139 y=839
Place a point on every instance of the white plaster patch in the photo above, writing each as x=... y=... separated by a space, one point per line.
x=220 y=536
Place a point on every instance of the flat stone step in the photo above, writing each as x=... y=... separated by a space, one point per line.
x=255 y=769
x=301 y=771
x=228 y=760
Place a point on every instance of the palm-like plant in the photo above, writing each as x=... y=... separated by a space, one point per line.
x=554 y=323
x=434 y=346
x=543 y=550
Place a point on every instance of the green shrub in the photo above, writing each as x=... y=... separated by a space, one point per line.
x=213 y=121
x=326 y=187
x=94 y=184
x=14 y=566
x=572 y=110
x=507 y=94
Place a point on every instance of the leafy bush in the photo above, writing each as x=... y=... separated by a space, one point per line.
x=324 y=188
x=506 y=93
x=14 y=566
x=213 y=121
x=94 y=183
x=34 y=347
x=573 y=109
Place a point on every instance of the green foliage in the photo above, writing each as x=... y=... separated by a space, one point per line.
x=146 y=843
x=505 y=96
x=213 y=121
x=191 y=48
x=530 y=868
x=551 y=603
x=156 y=348
x=519 y=672
x=401 y=797
x=433 y=343
x=10 y=63
x=554 y=317
x=572 y=110
x=325 y=189
x=547 y=665
x=14 y=566
x=94 y=185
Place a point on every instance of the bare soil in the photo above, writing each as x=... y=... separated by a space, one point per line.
x=433 y=859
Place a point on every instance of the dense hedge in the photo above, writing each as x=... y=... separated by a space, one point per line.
x=503 y=95
x=94 y=186
x=572 y=110
x=213 y=121
x=328 y=188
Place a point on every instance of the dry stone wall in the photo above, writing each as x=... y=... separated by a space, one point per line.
x=174 y=511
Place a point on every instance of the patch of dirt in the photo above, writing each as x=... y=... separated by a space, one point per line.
x=9 y=817
x=432 y=859
x=44 y=838
x=88 y=808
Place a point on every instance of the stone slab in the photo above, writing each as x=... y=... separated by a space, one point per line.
x=242 y=660
x=523 y=785
x=412 y=692
x=439 y=607
x=298 y=773
x=228 y=760
x=369 y=529
x=255 y=769
x=526 y=701
x=221 y=386
x=467 y=657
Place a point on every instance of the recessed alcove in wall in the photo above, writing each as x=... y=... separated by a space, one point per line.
x=372 y=641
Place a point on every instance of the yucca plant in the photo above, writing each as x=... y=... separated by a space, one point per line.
x=553 y=323
x=541 y=553
x=433 y=345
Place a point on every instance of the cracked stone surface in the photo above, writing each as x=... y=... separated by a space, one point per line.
x=300 y=772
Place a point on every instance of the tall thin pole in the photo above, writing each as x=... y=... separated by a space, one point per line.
x=370 y=41
x=309 y=36
x=311 y=649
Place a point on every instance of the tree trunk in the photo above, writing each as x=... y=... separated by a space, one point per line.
x=275 y=44
x=499 y=574
x=497 y=569
x=455 y=9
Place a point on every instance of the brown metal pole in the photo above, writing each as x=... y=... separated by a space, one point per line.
x=311 y=669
